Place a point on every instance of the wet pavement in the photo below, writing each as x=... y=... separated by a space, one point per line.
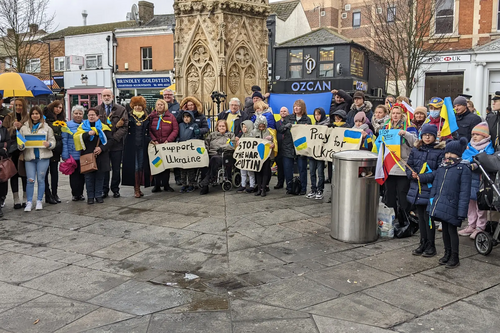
x=226 y=262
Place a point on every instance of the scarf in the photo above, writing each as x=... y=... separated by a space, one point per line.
x=362 y=127
x=339 y=123
x=138 y=114
x=418 y=123
x=399 y=125
x=35 y=128
x=450 y=161
x=474 y=148
x=86 y=127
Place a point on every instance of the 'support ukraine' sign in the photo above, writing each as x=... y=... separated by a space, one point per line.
x=321 y=142
x=251 y=153
x=185 y=155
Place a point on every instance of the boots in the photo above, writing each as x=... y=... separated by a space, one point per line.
x=157 y=187
x=446 y=257
x=141 y=176
x=420 y=249
x=430 y=250
x=137 y=185
x=49 y=198
x=204 y=190
x=453 y=262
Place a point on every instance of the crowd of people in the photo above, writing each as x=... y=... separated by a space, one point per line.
x=119 y=138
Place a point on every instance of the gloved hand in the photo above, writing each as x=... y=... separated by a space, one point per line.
x=289 y=125
x=197 y=132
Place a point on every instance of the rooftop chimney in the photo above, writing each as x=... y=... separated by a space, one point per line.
x=84 y=15
x=146 y=11
x=33 y=28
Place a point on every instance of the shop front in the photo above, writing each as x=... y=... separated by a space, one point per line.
x=146 y=86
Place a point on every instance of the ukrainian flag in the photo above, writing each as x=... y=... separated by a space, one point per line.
x=352 y=137
x=20 y=139
x=300 y=143
x=35 y=140
x=449 y=119
x=157 y=161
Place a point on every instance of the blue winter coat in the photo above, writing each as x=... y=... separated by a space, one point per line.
x=188 y=131
x=450 y=194
x=68 y=143
x=468 y=156
x=271 y=122
x=433 y=155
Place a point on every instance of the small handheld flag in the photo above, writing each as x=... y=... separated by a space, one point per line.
x=448 y=115
x=20 y=139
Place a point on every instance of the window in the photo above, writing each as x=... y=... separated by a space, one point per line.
x=147 y=58
x=445 y=10
x=93 y=61
x=59 y=64
x=498 y=16
x=356 y=19
x=33 y=66
x=295 y=64
x=326 y=64
x=391 y=14
x=10 y=63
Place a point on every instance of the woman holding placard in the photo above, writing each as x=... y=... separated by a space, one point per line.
x=36 y=157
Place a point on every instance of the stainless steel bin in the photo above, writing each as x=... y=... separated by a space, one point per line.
x=355 y=197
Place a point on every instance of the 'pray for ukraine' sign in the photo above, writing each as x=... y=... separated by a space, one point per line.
x=321 y=142
x=185 y=155
x=251 y=153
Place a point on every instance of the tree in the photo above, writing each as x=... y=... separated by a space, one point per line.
x=408 y=32
x=22 y=25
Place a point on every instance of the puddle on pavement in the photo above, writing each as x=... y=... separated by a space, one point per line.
x=208 y=304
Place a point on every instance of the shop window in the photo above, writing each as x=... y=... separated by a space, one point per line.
x=295 y=64
x=33 y=66
x=59 y=64
x=443 y=84
x=147 y=58
x=326 y=61
x=391 y=14
x=93 y=61
x=445 y=12
x=356 y=19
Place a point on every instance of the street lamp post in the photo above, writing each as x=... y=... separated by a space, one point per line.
x=50 y=65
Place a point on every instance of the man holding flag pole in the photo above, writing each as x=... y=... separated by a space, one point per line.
x=466 y=120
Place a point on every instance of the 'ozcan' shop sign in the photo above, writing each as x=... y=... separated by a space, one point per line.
x=312 y=86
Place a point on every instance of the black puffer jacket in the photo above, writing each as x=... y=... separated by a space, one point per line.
x=286 y=124
x=346 y=105
x=466 y=122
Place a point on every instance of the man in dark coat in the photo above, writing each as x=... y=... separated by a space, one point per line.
x=173 y=105
x=341 y=101
x=116 y=117
x=234 y=116
x=3 y=110
x=466 y=120
x=494 y=120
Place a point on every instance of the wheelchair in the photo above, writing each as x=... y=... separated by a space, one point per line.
x=227 y=175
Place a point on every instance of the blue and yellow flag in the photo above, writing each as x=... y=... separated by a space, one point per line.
x=352 y=136
x=449 y=119
x=20 y=139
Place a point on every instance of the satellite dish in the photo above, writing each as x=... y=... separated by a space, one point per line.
x=134 y=13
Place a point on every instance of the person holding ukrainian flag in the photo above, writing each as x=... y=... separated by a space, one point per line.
x=92 y=136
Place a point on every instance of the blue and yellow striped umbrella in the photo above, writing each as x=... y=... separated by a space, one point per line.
x=22 y=85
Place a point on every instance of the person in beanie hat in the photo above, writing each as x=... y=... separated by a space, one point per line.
x=449 y=198
x=359 y=105
x=466 y=120
x=419 y=117
x=422 y=166
x=480 y=142
x=257 y=96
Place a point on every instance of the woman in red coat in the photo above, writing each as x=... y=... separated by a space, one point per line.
x=163 y=127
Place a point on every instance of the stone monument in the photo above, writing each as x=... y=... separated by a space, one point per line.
x=220 y=45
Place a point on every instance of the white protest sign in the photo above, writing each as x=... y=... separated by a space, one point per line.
x=185 y=155
x=321 y=142
x=251 y=153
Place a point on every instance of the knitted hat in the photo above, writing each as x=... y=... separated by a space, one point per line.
x=429 y=129
x=436 y=102
x=138 y=100
x=359 y=94
x=460 y=100
x=482 y=129
x=421 y=109
x=456 y=147
x=360 y=116
x=256 y=88
x=341 y=113
x=257 y=94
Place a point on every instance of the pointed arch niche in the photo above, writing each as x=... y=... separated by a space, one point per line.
x=242 y=74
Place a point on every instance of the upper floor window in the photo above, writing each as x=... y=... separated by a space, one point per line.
x=326 y=58
x=93 y=61
x=391 y=13
x=295 y=58
x=147 y=58
x=59 y=64
x=356 y=19
x=33 y=66
x=445 y=11
x=10 y=63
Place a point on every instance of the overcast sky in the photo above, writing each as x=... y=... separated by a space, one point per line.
x=69 y=13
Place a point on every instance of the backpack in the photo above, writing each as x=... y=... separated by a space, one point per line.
x=296 y=186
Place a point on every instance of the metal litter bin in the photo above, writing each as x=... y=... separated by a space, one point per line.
x=355 y=197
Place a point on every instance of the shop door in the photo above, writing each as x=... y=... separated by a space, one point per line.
x=443 y=85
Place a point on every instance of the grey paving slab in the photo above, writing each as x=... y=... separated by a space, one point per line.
x=472 y=274
x=236 y=242
x=66 y=221
x=427 y=293
x=330 y=325
x=386 y=245
x=488 y=299
x=315 y=209
x=44 y=235
x=121 y=250
x=141 y=298
x=83 y=242
x=270 y=234
x=52 y=313
x=492 y=258
x=350 y=277
x=243 y=310
x=215 y=266
x=209 y=225
x=294 y=293
x=162 y=235
x=14 y=295
x=20 y=215
x=206 y=243
x=76 y=282
x=190 y=322
x=363 y=309
x=304 y=325
x=177 y=221
x=9 y=228
x=248 y=260
x=113 y=228
x=451 y=319
x=266 y=218
x=307 y=227
x=111 y=266
x=18 y=268
x=98 y=318
x=134 y=325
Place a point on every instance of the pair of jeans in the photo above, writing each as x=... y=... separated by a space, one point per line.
x=116 y=162
x=77 y=181
x=139 y=158
x=319 y=167
x=94 y=181
x=251 y=178
x=288 y=167
x=36 y=168
x=53 y=170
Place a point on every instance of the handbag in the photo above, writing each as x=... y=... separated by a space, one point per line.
x=7 y=169
x=21 y=166
x=88 y=162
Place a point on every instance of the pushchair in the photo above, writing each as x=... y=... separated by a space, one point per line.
x=227 y=175
x=489 y=165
